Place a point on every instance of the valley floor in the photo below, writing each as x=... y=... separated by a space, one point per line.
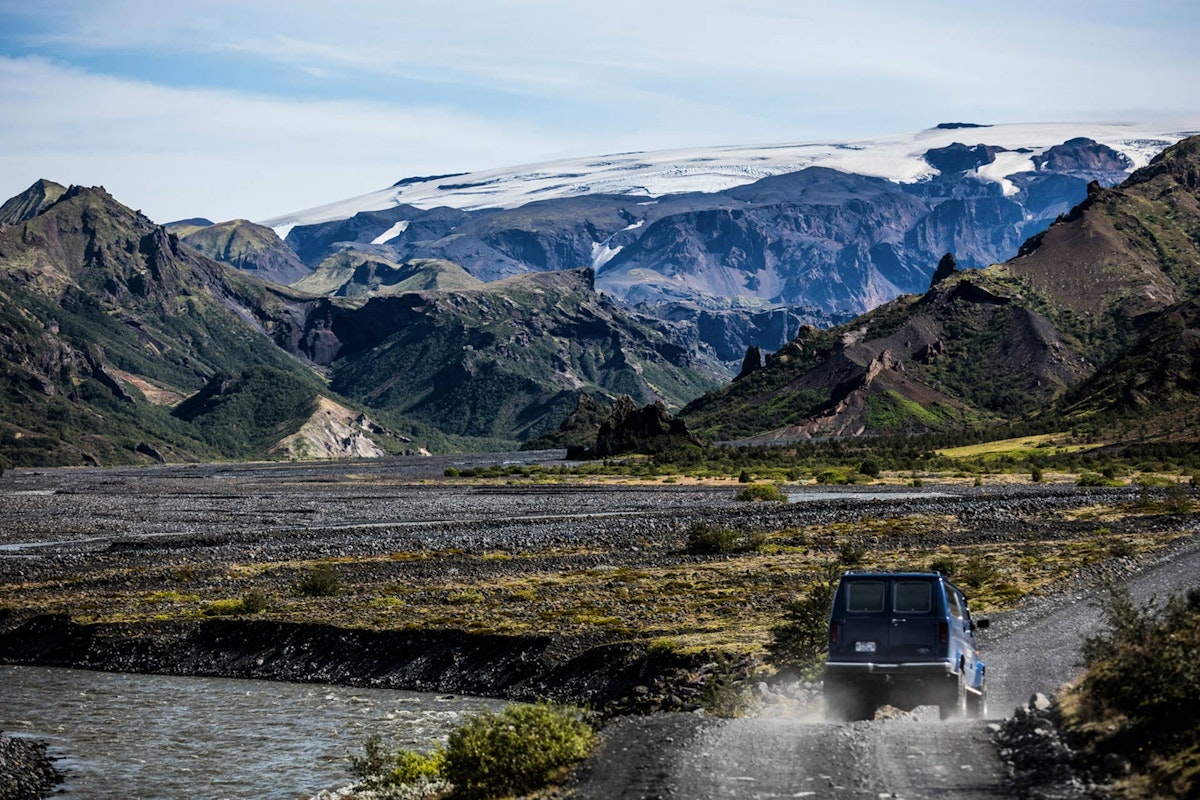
x=388 y=573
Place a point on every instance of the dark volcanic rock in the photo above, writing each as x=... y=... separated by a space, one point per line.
x=648 y=429
x=513 y=667
x=959 y=157
x=26 y=772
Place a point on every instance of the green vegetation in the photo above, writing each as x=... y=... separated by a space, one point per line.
x=522 y=749
x=1140 y=696
x=391 y=773
x=319 y=581
x=762 y=492
x=801 y=639
x=253 y=602
x=707 y=539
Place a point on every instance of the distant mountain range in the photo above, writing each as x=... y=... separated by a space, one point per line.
x=451 y=328
x=839 y=227
x=818 y=232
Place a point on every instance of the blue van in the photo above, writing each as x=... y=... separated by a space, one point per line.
x=904 y=639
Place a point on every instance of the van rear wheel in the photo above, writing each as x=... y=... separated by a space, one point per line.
x=954 y=702
x=977 y=703
x=847 y=701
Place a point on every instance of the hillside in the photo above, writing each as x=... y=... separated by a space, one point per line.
x=508 y=359
x=354 y=274
x=107 y=321
x=1091 y=307
x=246 y=246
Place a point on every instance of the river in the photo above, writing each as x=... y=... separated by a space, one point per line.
x=155 y=737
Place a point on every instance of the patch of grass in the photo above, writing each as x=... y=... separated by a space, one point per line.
x=253 y=602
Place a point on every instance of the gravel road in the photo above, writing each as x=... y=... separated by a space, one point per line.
x=1035 y=649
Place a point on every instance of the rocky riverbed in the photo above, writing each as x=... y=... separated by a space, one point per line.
x=517 y=588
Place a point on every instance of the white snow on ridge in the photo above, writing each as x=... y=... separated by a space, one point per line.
x=647 y=175
x=391 y=233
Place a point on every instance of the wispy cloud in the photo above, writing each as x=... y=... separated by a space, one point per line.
x=322 y=99
x=181 y=152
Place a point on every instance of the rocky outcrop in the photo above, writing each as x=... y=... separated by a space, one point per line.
x=649 y=429
x=945 y=268
x=31 y=202
x=334 y=431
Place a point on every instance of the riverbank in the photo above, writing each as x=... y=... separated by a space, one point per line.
x=26 y=771
x=614 y=677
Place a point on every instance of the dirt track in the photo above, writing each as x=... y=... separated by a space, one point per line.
x=687 y=756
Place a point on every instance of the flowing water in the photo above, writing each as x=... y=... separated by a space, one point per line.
x=155 y=737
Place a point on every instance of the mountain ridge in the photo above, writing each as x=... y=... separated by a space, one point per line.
x=1059 y=326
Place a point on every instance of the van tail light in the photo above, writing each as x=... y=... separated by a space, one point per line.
x=943 y=633
x=833 y=635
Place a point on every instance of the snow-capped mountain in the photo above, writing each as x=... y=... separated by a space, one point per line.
x=744 y=243
x=897 y=157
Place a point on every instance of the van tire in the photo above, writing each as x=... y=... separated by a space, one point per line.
x=977 y=703
x=847 y=701
x=954 y=702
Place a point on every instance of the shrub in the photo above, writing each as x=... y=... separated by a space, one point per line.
x=851 y=553
x=1035 y=474
x=726 y=696
x=254 y=601
x=870 y=468
x=450 y=472
x=801 y=638
x=978 y=571
x=706 y=539
x=321 y=581
x=1177 y=500
x=832 y=477
x=1093 y=479
x=379 y=769
x=1140 y=696
x=945 y=565
x=762 y=491
x=517 y=751
x=744 y=477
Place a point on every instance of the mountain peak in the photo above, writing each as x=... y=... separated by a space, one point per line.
x=31 y=202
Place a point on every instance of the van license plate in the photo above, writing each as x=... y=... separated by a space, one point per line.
x=864 y=647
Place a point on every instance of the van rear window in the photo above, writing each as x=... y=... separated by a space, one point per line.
x=865 y=596
x=914 y=596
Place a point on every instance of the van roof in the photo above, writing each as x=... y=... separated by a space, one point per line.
x=857 y=574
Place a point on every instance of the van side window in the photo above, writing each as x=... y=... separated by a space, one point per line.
x=956 y=607
x=864 y=596
x=914 y=596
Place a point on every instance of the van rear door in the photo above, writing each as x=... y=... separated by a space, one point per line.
x=864 y=620
x=914 y=632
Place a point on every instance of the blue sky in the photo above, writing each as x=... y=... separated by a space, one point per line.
x=251 y=109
